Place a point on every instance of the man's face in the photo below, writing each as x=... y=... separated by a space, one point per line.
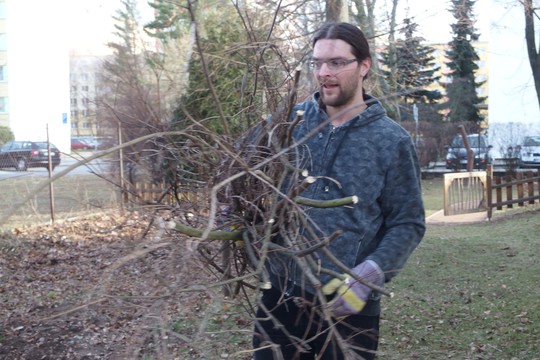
x=340 y=81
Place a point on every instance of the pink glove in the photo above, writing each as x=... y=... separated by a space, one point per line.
x=351 y=295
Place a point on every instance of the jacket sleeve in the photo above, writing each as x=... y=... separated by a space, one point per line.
x=402 y=209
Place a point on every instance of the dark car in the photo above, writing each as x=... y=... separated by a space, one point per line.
x=79 y=144
x=456 y=157
x=24 y=154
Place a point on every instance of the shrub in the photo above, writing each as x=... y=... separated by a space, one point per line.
x=5 y=135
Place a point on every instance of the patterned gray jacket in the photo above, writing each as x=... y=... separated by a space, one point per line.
x=372 y=157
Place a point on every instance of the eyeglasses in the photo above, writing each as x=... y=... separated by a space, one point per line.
x=333 y=64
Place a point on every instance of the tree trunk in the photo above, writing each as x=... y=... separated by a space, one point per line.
x=534 y=57
x=337 y=10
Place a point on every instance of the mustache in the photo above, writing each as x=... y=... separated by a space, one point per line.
x=327 y=81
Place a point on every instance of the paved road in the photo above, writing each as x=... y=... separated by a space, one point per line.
x=95 y=166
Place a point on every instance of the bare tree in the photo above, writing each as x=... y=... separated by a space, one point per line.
x=337 y=10
x=530 y=38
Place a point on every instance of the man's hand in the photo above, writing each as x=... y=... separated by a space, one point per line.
x=351 y=295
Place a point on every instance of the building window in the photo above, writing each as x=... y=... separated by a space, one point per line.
x=3 y=73
x=85 y=101
x=74 y=113
x=2 y=9
x=85 y=88
x=73 y=102
x=73 y=88
x=86 y=125
x=85 y=113
x=3 y=105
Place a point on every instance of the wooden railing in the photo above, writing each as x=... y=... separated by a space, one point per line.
x=465 y=192
x=151 y=194
x=519 y=189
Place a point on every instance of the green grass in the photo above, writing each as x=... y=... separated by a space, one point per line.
x=432 y=194
x=468 y=292
x=73 y=195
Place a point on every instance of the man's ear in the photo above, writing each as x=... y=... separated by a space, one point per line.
x=365 y=66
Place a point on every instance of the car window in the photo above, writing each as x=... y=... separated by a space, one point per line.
x=475 y=140
x=472 y=139
x=530 y=141
x=457 y=142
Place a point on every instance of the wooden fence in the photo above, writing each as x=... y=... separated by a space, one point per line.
x=518 y=189
x=154 y=194
x=465 y=192
x=478 y=191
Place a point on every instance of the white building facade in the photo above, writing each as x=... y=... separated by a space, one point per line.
x=38 y=72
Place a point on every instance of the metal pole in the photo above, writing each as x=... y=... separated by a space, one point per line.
x=121 y=157
x=415 y=115
x=49 y=167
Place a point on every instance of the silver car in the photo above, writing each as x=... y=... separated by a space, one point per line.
x=530 y=151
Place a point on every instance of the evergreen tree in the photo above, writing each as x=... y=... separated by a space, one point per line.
x=219 y=68
x=411 y=68
x=463 y=100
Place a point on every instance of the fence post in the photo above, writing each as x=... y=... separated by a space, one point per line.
x=509 y=191
x=520 y=194
x=538 y=176
x=530 y=186
x=489 y=194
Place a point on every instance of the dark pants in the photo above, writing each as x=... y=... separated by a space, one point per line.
x=304 y=335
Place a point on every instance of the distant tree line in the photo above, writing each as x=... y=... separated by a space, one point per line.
x=224 y=68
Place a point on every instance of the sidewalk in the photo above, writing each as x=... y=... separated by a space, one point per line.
x=438 y=218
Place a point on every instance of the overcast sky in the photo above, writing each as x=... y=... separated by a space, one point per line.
x=91 y=25
x=434 y=18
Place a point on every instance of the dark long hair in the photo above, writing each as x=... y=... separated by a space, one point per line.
x=349 y=33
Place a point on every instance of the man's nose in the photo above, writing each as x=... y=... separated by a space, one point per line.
x=325 y=70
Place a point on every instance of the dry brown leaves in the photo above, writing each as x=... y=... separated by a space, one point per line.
x=107 y=286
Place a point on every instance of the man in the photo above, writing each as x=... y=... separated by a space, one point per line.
x=352 y=148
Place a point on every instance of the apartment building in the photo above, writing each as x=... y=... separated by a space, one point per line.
x=84 y=78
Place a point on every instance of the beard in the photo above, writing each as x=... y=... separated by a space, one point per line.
x=342 y=93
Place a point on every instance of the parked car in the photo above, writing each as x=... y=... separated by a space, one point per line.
x=24 y=154
x=79 y=144
x=97 y=142
x=529 y=154
x=456 y=157
x=104 y=142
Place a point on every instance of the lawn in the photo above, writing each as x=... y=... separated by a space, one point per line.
x=468 y=292
x=73 y=196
